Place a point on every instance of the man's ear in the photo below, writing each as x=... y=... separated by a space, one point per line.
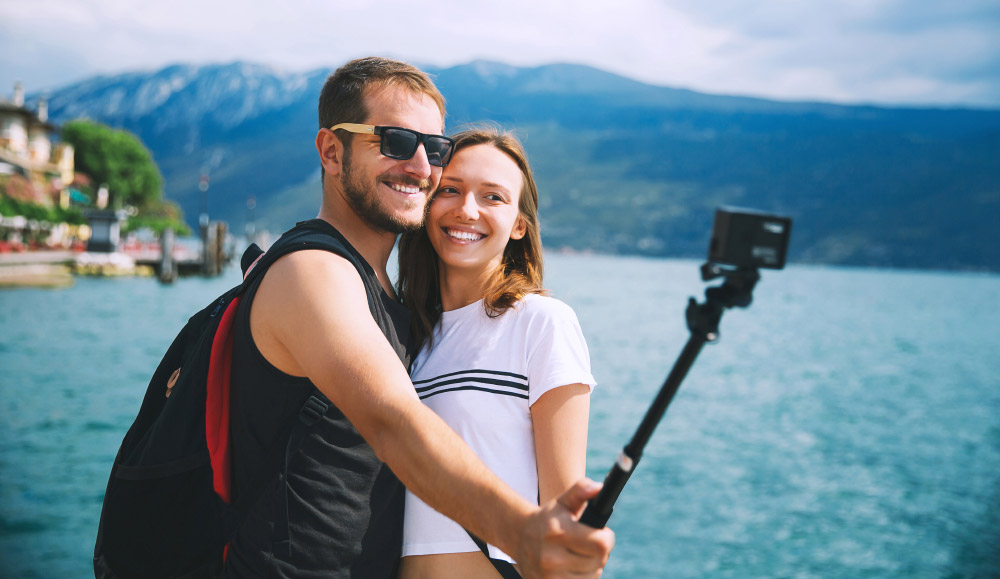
x=331 y=151
x=520 y=228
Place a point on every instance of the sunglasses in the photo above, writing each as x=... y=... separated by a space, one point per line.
x=400 y=143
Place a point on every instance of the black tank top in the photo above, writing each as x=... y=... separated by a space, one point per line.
x=341 y=507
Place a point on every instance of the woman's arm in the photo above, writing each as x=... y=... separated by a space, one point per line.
x=559 y=418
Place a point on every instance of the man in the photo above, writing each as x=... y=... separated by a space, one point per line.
x=316 y=319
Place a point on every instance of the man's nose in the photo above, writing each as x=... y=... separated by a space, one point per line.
x=418 y=165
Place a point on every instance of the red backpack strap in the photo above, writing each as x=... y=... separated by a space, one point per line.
x=217 y=403
x=217 y=399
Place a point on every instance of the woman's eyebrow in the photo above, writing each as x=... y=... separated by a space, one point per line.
x=496 y=186
x=486 y=184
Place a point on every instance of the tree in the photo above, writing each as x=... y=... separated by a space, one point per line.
x=118 y=159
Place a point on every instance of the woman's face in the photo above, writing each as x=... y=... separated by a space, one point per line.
x=475 y=210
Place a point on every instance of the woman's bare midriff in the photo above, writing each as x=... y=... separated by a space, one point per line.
x=449 y=566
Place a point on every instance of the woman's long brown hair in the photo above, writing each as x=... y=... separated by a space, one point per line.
x=519 y=272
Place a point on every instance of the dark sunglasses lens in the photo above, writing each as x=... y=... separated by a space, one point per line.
x=438 y=151
x=402 y=144
x=399 y=144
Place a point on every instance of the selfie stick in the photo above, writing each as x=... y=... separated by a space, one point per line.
x=703 y=322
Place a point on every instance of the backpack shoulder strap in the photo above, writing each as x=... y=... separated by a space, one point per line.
x=217 y=403
x=313 y=234
x=311 y=412
x=504 y=568
x=254 y=263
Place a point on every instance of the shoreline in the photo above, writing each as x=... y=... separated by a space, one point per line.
x=37 y=269
x=57 y=269
x=36 y=275
x=43 y=256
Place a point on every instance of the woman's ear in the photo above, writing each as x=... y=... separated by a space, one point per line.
x=520 y=228
x=331 y=151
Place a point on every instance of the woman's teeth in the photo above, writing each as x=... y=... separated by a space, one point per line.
x=464 y=235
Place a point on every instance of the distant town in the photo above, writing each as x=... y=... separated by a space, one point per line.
x=56 y=222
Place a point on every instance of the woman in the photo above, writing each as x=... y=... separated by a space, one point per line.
x=504 y=365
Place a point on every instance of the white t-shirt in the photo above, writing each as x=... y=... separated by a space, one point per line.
x=482 y=376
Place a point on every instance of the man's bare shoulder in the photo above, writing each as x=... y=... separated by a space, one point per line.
x=308 y=265
x=306 y=300
x=302 y=283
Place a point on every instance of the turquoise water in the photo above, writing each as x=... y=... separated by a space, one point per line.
x=846 y=425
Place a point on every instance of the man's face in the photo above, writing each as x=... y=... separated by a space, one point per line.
x=390 y=194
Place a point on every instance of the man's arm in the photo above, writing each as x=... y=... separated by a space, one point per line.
x=311 y=318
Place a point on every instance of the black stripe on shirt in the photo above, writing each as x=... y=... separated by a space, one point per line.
x=492 y=381
x=474 y=380
x=494 y=372
x=477 y=388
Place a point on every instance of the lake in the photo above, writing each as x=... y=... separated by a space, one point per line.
x=847 y=424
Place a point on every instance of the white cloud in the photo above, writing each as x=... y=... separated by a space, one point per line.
x=893 y=51
x=896 y=51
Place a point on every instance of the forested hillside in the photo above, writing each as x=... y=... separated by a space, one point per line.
x=622 y=166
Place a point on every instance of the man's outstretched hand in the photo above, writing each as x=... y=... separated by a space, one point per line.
x=555 y=544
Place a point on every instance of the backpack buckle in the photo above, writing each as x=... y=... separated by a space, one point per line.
x=312 y=411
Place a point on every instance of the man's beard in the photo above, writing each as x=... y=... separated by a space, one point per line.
x=367 y=204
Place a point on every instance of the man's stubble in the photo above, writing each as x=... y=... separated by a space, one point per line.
x=364 y=199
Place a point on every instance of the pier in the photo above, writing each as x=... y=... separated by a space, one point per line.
x=56 y=268
x=170 y=257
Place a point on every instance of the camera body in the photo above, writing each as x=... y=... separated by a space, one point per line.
x=748 y=238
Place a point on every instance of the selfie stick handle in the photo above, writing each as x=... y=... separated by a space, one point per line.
x=703 y=323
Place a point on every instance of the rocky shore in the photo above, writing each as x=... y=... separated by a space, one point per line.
x=56 y=268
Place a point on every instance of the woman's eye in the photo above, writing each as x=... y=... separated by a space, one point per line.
x=495 y=197
x=447 y=191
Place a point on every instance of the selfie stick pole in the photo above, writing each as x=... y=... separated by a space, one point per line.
x=703 y=323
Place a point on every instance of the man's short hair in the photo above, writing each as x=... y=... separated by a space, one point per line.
x=342 y=98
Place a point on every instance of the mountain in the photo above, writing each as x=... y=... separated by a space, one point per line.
x=622 y=166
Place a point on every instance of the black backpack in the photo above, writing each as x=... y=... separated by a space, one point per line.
x=167 y=510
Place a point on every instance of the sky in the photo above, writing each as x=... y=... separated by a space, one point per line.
x=893 y=52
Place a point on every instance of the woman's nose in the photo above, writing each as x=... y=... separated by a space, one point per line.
x=468 y=209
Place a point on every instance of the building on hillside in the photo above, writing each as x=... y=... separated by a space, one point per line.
x=27 y=145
